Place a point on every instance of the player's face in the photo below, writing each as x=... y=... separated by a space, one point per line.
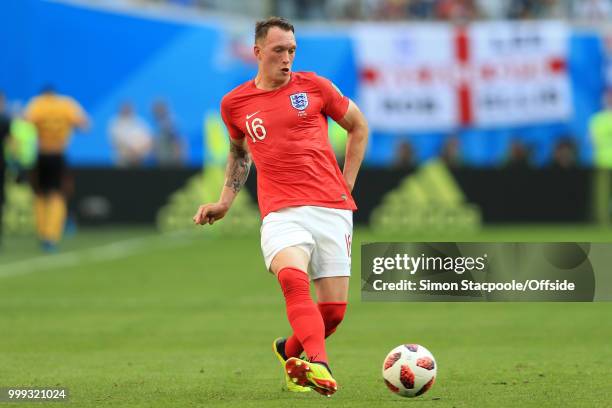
x=275 y=54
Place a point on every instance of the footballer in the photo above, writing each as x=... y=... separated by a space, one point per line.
x=278 y=120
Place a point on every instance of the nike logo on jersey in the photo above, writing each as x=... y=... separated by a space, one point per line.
x=251 y=115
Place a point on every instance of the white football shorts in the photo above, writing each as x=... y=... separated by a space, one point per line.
x=323 y=233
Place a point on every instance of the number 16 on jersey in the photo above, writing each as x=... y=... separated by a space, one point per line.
x=256 y=129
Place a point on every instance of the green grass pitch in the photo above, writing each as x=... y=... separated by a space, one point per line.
x=129 y=318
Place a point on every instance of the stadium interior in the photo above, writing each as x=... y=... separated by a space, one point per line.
x=490 y=121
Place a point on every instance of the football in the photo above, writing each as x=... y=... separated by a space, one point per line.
x=409 y=370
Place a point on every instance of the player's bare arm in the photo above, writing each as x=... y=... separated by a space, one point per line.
x=236 y=174
x=238 y=166
x=354 y=122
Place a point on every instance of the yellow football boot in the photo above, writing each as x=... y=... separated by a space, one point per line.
x=313 y=375
x=278 y=347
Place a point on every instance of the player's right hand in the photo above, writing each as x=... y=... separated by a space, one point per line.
x=209 y=213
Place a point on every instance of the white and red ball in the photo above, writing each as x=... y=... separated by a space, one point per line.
x=409 y=370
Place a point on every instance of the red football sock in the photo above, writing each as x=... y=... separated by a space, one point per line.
x=293 y=347
x=332 y=313
x=303 y=315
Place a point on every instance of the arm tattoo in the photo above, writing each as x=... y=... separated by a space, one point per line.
x=238 y=167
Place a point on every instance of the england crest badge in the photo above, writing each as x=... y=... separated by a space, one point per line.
x=299 y=101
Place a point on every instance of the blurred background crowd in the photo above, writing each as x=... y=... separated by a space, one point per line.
x=400 y=10
x=482 y=86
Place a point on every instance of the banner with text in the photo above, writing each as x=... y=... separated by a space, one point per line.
x=439 y=77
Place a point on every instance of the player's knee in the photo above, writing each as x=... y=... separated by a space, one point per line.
x=289 y=258
x=293 y=282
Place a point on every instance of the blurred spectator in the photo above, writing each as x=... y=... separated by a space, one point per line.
x=519 y=156
x=5 y=128
x=554 y=9
x=593 y=10
x=22 y=147
x=421 y=9
x=451 y=153
x=131 y=137
x=456 y=10
x=168 y=148
x=492 y=9
x=564 y=155
x=533 y=9
x=310 y=9
x=404 y=156
x=600 y=127
x=300 y=9
x=521 y=9
x=393 y=9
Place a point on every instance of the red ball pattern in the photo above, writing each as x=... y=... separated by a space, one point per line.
x=407 y=377
x=392 y=359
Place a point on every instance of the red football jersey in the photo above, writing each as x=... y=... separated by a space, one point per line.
x=286 y=131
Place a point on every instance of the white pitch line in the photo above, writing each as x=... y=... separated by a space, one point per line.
x=41 y=262
x=102 y=253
